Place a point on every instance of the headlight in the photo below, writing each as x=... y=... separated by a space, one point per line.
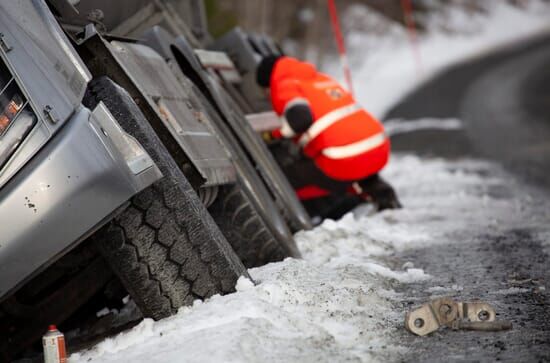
x=16 y=116
x=10 y=112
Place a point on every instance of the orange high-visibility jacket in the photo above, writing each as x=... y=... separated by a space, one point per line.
x=345 y=141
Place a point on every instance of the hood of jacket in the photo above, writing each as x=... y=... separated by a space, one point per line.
x=291 y=68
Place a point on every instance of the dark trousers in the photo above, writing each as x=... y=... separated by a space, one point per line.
x=304 y=172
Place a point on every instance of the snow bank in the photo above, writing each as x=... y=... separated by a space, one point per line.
x=383 y=63
x=338 y=303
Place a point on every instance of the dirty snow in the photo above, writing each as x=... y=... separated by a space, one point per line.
x=338 y=303
x=386 y=67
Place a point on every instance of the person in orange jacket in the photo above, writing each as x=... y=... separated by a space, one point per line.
x=345 y=146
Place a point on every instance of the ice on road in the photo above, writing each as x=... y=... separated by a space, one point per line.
x=338 y=303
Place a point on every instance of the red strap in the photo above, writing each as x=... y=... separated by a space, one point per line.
x=276 y=134
x=311 y=192
x=407 y=7
x=340 y=42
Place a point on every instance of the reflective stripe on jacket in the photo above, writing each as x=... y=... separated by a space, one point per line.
x=345 y=141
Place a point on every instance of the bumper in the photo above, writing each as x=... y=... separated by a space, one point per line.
x=67 y=190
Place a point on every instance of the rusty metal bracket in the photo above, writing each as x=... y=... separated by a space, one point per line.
x=446 y=312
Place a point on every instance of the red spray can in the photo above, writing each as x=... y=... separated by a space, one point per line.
x=53 y=343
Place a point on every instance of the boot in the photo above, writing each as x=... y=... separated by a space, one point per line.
x=379 y=192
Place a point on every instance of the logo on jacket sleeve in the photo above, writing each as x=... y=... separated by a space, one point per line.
x=335 y=93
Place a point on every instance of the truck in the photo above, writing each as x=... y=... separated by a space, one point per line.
x=127 y=172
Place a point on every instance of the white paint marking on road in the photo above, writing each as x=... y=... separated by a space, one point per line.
x=401 y=126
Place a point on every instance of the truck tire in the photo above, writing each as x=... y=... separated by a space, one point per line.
x=257 y=151
x=164 y=247
x=244 y=228
x=252 y=146
x=252 y=202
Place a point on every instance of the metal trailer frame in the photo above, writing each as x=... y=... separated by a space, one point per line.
x=120 y=60
x=178 y=123
x=130 y=18
x=255 y=148
x=210 y=72
x=113 y=66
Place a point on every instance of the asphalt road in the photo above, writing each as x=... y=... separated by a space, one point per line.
x=504 y=101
